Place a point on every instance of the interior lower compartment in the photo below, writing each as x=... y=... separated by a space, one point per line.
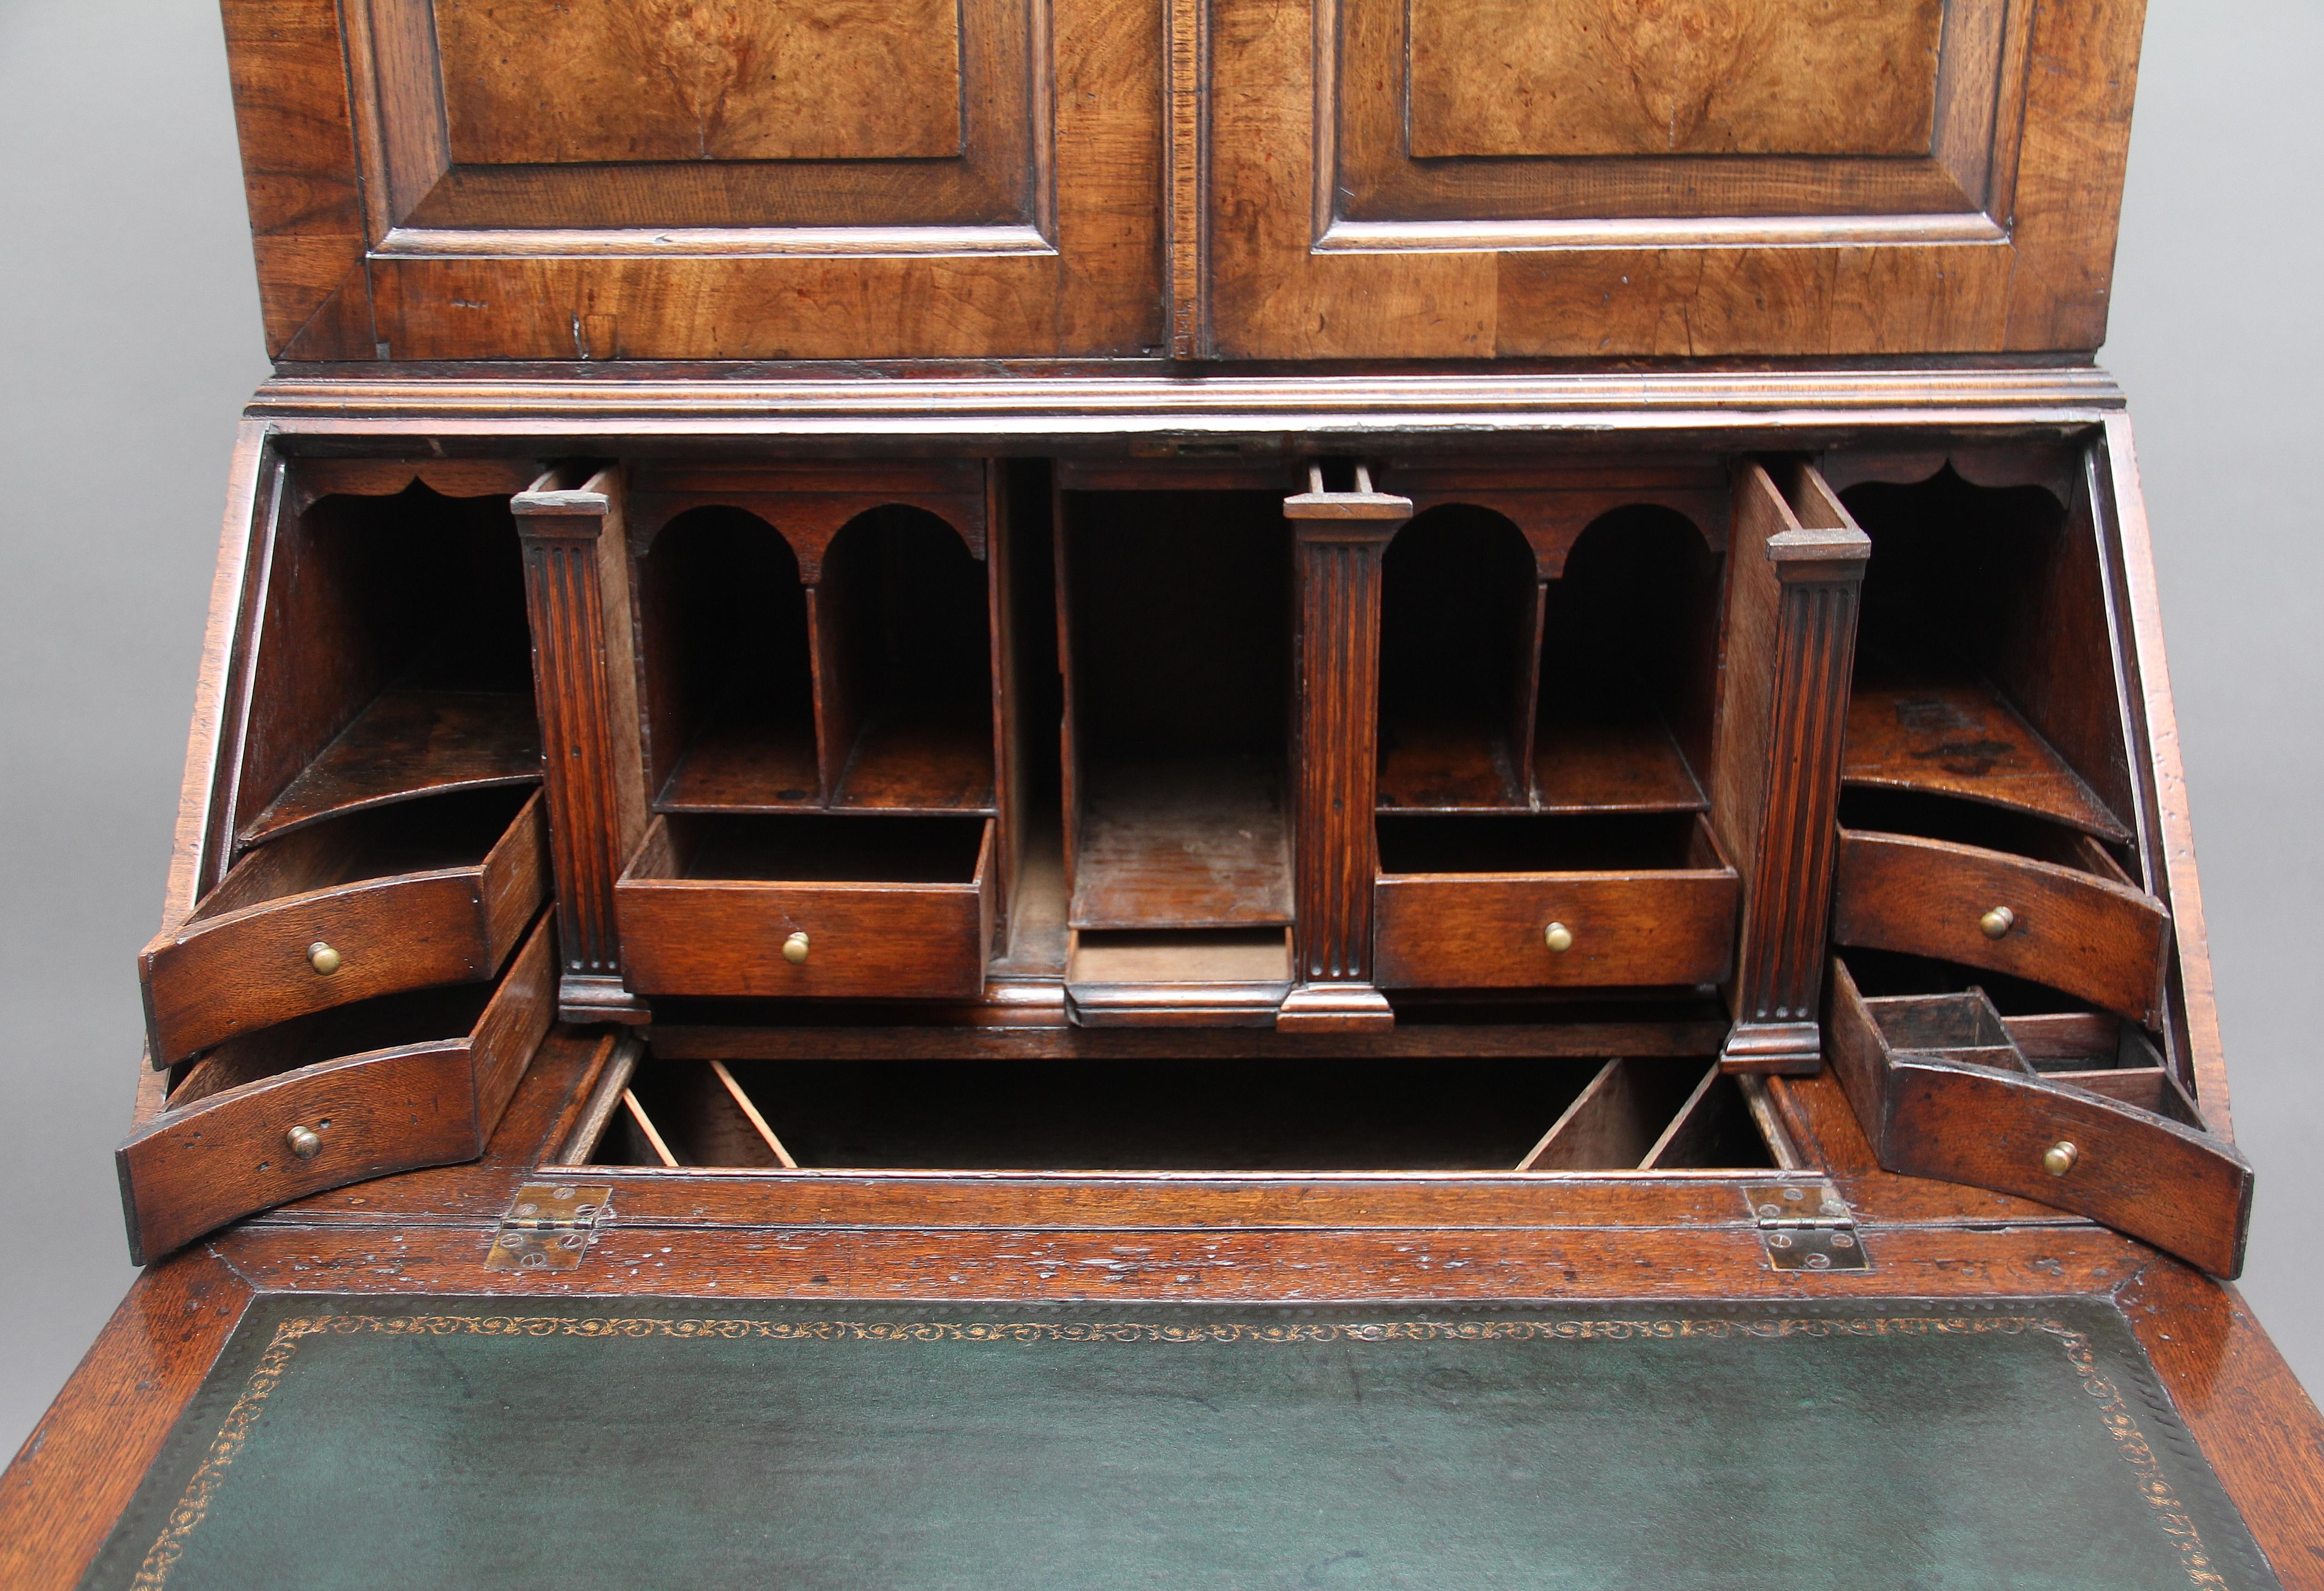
x=1184 y=1114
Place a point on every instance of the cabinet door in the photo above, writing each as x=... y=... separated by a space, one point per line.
x=589 y=179
x=1598 y=179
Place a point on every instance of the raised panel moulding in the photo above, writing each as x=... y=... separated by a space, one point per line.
x=1643 y=76
x=560 y=82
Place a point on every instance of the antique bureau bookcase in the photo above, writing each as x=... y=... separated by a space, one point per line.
x=1181 y=792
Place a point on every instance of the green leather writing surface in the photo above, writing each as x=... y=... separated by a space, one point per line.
x=350 y=1442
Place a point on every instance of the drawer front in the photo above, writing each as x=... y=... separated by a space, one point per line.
x=251 y=969
x=230 y=1155
x=192 y=1169
x=1436 y=931
x=863 y=942
x=2091 y=937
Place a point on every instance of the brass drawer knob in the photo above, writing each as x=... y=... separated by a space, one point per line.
x=795 y=949
x=1558 y=937
x=305 y=1142
x=1996 y=923
x=323 y=958
x=2059 y=1158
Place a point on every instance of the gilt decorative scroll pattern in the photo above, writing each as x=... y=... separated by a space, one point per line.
x=1673 y=77
x=561 y=82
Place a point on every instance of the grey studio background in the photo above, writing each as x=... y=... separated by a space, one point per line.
x=129 y=339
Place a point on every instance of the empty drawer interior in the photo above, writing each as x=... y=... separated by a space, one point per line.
x=1185 y=1116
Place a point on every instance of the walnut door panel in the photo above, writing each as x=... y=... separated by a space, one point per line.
x=2094 y=937
x=1720 y=176
x=310 y=921
x=1472 y=924
x=689 y=180
x=859 y=908
x=350 y=1094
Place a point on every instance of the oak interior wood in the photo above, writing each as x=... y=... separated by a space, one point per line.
x=1984 y=659
x=825 y=848
x=1177 y=617
x=394 y=658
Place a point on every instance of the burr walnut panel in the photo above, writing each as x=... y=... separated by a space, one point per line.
x=552 y=82
x=1645 y=77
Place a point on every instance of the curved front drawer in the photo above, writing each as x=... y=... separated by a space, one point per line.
x=231 y=974
x=424 y=1102
x=2092 y=937
x=1490 y=931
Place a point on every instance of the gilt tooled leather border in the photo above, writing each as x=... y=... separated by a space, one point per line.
x=2143 y=1464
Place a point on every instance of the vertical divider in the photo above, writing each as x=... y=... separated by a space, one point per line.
x=1526 y=733
x=1796 y=569
x=577 y=597
x=832 y=643
x=1339 y=539
x=1069 y=763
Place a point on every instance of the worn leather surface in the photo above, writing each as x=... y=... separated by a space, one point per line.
x=346 y=1442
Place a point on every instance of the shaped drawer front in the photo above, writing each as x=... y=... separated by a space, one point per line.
x=236 y=970
x=1486 y=931
x=294 y=1129
x=687 y=930
x=2093 y=937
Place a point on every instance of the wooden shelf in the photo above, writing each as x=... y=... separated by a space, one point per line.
x=920 y=763
x=1196 y=843
x=408 y=744
x=1950 y=736
x=1623 y=760
x=1429 y=765
x=745 y=764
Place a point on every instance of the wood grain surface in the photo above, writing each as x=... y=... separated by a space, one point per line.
x=2088 y=934
x=448 y=919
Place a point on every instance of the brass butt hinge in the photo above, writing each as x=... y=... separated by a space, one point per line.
x=548 y=1227
x=1806 y=1226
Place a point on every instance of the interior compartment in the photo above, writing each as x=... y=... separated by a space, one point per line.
x=1460 y=627
x=825 y=848
x=393 y=660
x=1597 y=843
x=1035 y=897
x=729 y=698
x=420 y=836
x=1175 y=1114
x=419 y=1016
x=1177 y=617
x=1629 y=667
x=1883 y=810
x=904 y=666
x=1984 y=655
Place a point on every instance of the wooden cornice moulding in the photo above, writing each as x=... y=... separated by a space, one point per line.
x=744 y=400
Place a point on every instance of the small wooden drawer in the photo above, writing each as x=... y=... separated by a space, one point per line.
x=2075 y=924
x=1487 y=903
x=358 y=1092
x=856 y=908
x=1945 y=1088
x=411 y=895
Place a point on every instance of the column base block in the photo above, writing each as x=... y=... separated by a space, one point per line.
x=589 y=998
x=1793 y=1049
x=1335 y=1007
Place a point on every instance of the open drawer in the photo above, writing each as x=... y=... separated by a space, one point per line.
x=1945 y=1086
x=856 y=906
x=358 y=1092
x=425 y=892
x=1517 y=902
x=2003 y=892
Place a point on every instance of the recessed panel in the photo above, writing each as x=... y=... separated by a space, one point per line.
x=1651 y=77
x=555 y=82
